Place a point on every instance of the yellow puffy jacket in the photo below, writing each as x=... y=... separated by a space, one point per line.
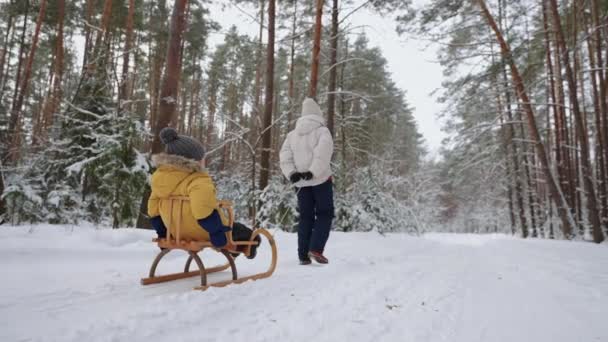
x=179 y=176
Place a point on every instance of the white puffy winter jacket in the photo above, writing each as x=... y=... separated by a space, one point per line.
x=308 y=147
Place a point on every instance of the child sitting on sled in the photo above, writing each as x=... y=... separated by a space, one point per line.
x=181 y=172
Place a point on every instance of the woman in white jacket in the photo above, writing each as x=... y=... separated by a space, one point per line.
x=305 y=160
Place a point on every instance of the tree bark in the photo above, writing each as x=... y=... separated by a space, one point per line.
x=102 y=36
x=194 y=90
x=5 y=48
x=168 y=100
x=567 y=222
x=211 y=109
x=88 y=41
x=519 y=192
x=15 y=121
x=124 y=88
x=18 y=72
x=292 y=68
x=266 y=126
x=316 y=51
x=56 y=94
x=564 y=144
x=602 y=111
x=529 y=181
x=506 y=149
x=556 y=112
x=255 y=111
x=599 y=138
x=593 y=215
x=512 y=144
x=155 y=80
x=333 y=72
x=343 y=109
x=170 y=83
x=4 y=76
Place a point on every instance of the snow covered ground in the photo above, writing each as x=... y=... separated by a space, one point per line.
x=82 y=284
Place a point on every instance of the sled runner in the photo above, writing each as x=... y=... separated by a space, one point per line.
x=173 y=241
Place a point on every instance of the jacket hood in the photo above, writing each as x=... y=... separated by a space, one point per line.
x=311 y=107
x=308 y=123
x=172 y=171
x=177 y=161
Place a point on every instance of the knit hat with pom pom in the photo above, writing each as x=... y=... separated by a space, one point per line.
x=181 y=145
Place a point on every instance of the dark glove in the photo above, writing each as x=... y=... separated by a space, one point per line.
x=295 y=177
x=307 y=175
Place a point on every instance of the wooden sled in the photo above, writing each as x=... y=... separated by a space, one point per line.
x=173 y=241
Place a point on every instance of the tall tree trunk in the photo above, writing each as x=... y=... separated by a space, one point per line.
x=276 y=132
x=38 y=118
x=100 y=41
x=180 y=117
x=194 y=89
x=156 y=68
x=601 y=164
x=556 y=114
x=211 y=109
x=54 y=100
x=2 y=202
x=561 y=159
x=546 y=207
x=103 y=35
x=587 y=172
x=170 y=83
x=4 y=76
x=266 y=126
x=528 y=177
x=15 y=121
x=124 y=88
x=255 y=111
x=333 y=72
x=511 y=139
x=292 y=68
x=601 y=106
x=567 y=222
x=155 y=80
x=515 y=155
x=343 y=109
x=255 y=119
x=506 y=150
x=88 y=34
x=18 y=72
x=316 y=51
x=5 y=48
x=564 y=143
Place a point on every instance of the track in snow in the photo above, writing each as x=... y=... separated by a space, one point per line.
x=81 y=284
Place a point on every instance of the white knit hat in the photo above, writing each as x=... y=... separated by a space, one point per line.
x=310 y=107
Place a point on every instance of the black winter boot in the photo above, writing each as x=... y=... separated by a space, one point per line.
x=305 y=261
x=254 y=249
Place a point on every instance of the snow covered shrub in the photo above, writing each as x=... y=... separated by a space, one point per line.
x=91 y=171
x=234 y=186
x=23 y=200
x=365 y=199
x=278 y=206
x=379 y=201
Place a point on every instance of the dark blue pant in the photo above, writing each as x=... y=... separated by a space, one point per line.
x=316 y=206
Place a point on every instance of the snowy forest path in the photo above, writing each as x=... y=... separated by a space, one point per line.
x=438 y=287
